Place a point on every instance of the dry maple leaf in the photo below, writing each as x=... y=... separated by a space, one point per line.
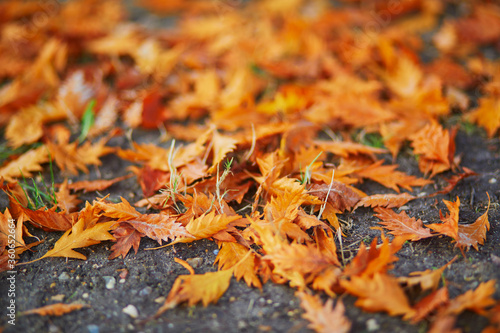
x=453 y=181
x=388 y=176
x=476 y=300
x=402 y=225
x=436 y=147
x=206 y=288
x=487 y=114
x=385 y=200
x=428 y=279
x=378 y=259
x=78 y=237
x=205 y=226
x=342 y=197
x=324 y=318
x=95 y=185
x=65 y=201
x=160 y=227
x=430 y=303
x=475 y=233
x=230 y=256
x=449 y=227
x=126 y=238
x=379 y=293
x=47 y=219
x=57 y=309
x=25 y=164
x=222 y=145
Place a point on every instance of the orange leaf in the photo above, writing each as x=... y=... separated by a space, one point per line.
x=66 y=201
x=402 y=225
x=475 y=233
x=230 y=255
x=390 y=178
x=324 y=318
x=474 y=300
x=380 y=293
x=342 y=197
x=57 y=309
x=385 y=200
x=449 y=227
x=430 y=303
x=436 y=148
x=487 y=114
x=95 y=185
x=160 y=227
x=428 y=279
x=205 y=226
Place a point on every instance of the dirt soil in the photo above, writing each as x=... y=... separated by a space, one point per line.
x=242 y=309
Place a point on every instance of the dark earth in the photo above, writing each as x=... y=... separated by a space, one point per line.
x=241 y=309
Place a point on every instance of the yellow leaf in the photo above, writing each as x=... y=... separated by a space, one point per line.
x=25 y=164
x=206 y=288
x=229 y=256
x=77 y=237
x=57 y=309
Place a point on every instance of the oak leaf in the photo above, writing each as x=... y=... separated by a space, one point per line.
x=324 y=318
x=402 y=225
x=57 y=309
x=379 y=293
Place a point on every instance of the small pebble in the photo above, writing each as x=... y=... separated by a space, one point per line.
x=216 y=252
x=122 y=281
x=170 y=325
x=58 y=298
x=110 y=282
x=131 y=311
x=160 y=299
x=145 y=291
x=195 y=262
x=85 y=295
x=372 y=325
x=404 y=208
x=93 y=328
x=492 y=181
x=54 y=329
x=242 y=325
x=64 y=277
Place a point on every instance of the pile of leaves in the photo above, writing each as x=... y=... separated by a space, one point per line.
x=272 y=113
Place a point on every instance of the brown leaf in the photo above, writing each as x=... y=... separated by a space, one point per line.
x=57 y=309
x=126 y=237
x=324 y=318
x=65 y=201
x=428 y=279
x=453 y=181
x=402 y=225
x=340 y=196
